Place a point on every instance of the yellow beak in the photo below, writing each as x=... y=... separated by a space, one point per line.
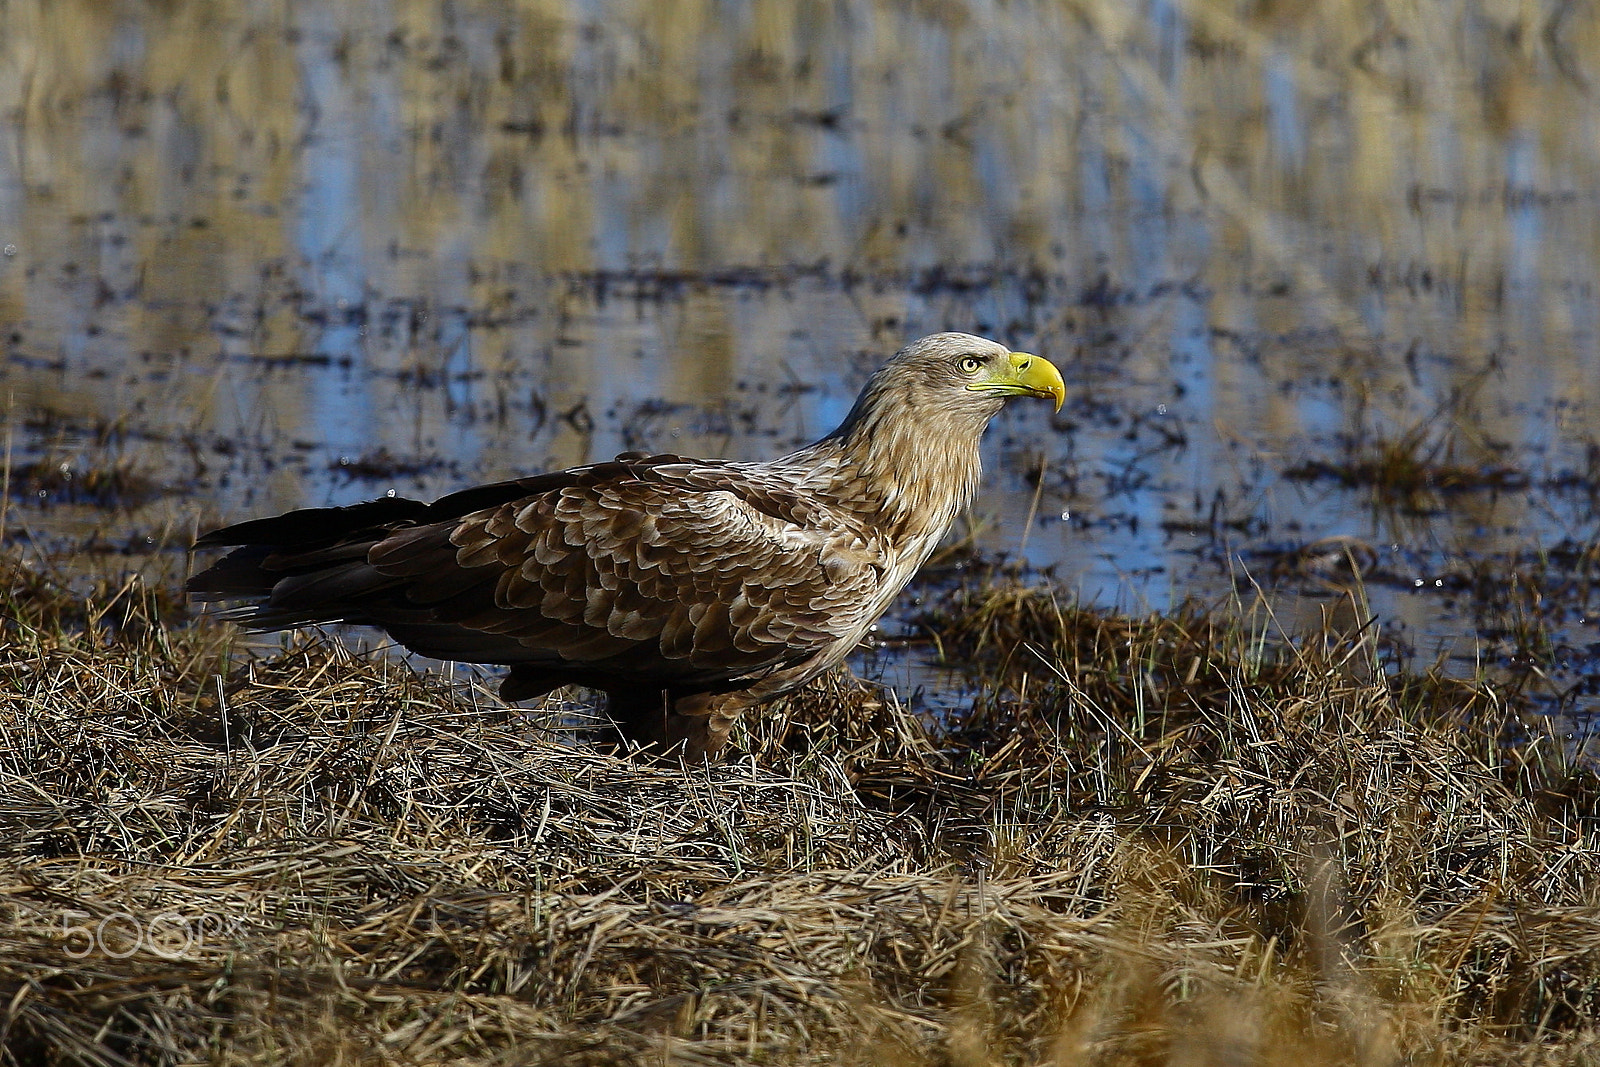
x=1029 y=375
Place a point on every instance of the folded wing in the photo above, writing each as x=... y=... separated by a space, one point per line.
x=663 y=571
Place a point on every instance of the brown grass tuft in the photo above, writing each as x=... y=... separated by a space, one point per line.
x=1152 y=840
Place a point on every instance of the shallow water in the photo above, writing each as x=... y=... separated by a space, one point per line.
x=260 y=257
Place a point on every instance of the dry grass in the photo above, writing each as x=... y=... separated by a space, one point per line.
x=1160 y=840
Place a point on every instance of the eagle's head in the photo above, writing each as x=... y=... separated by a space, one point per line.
x=911 y=441
x=955 y=383
x=955 y=366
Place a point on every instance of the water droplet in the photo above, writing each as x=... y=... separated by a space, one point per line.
x=1066 y=516
x=1438 y=583
x=1161 y=409
x=1417 y=582
x=11 y=250
x=389 y=493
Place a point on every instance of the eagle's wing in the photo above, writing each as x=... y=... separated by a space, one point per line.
x=675 y=572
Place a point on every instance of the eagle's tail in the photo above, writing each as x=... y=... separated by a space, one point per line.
x=302 y=567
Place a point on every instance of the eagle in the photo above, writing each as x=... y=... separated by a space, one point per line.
x=687 y=590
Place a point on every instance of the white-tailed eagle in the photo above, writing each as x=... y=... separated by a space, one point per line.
x=686 y=589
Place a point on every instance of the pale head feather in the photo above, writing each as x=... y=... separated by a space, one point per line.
x=907 y=453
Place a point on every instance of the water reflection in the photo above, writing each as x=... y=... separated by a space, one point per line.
x=476 y=239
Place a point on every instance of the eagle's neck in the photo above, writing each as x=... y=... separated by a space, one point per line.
x=908 y=472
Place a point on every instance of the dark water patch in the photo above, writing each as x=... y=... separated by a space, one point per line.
x=51 y=482
x=1330 y=562
x=381 y=465
x=1402 y=473
x=294 y=360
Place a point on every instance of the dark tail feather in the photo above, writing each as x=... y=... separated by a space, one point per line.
x=312 y=527
x=280 y=589
x=238 y=575
x=302 y=567
x=376 y=519
x=311 y=566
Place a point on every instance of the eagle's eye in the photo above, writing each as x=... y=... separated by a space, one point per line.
x=970 y=364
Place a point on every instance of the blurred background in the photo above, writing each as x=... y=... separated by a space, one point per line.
x=1321 y=277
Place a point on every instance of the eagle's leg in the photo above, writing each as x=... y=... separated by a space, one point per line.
x=524 y=683
x=694 y=727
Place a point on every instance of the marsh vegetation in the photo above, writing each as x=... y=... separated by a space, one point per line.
x=1169 y=838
